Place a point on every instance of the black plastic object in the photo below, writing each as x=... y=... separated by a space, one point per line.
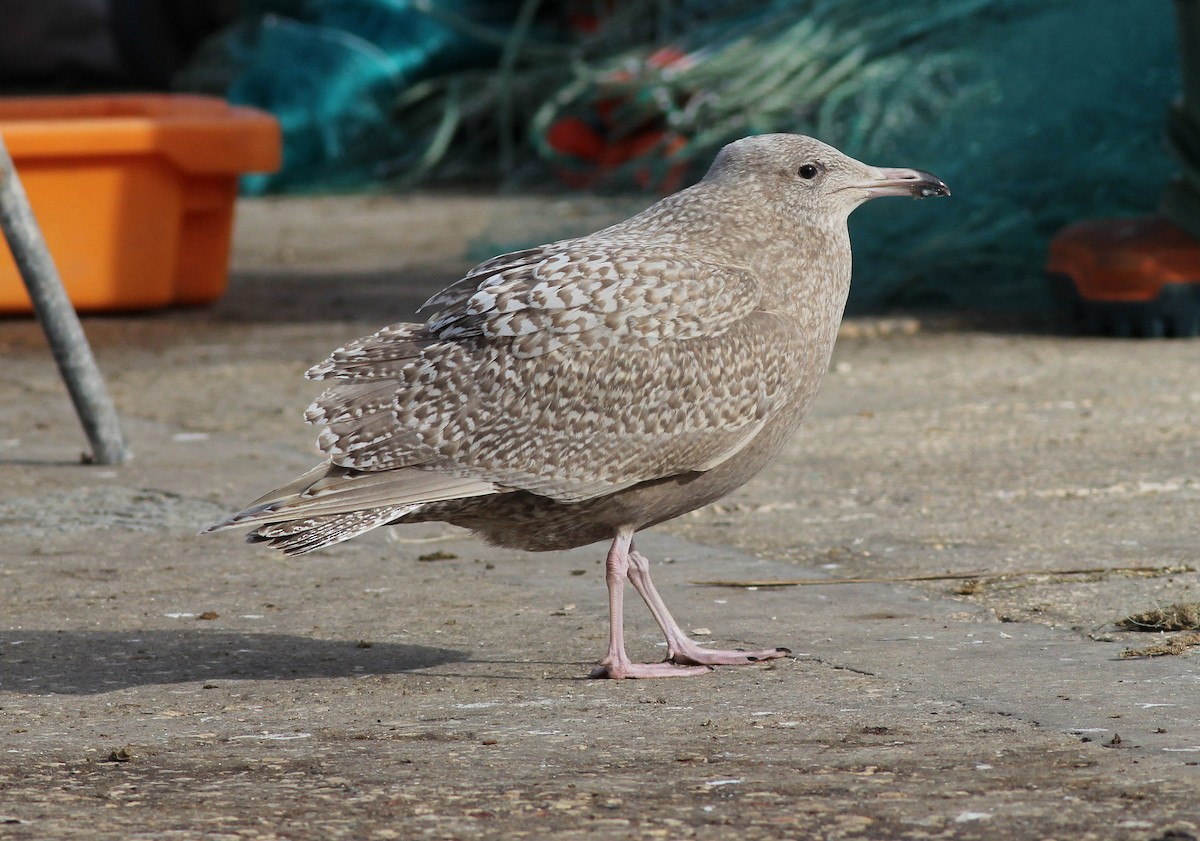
x=1175 y=313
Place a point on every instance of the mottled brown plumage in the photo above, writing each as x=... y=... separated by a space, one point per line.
x=589 y=388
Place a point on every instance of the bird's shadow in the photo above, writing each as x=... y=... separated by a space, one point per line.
x=89 y=662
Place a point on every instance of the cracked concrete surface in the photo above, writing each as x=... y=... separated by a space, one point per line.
x=158 y=685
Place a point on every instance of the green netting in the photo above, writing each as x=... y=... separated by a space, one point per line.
x=1036 y=113
x=336 y=73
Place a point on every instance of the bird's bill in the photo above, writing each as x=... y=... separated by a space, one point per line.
x=903 y=182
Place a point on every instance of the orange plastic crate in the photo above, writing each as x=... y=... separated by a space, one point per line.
x=134 y=193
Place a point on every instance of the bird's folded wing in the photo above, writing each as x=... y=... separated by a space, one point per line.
x=570 y=372
x=586 y=297
x=573 y=296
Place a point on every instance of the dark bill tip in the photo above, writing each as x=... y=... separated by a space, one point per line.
x=907 y=182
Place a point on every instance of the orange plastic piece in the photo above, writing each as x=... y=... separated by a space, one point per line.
x=134 y=193
x=1124 y=259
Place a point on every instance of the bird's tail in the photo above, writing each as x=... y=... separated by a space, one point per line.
x=330 y=504
x=295 y=537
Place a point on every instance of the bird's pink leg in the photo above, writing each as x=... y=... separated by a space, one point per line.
x=616 y=663
x=680 y=647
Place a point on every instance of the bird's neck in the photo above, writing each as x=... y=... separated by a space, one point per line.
x=803 y=266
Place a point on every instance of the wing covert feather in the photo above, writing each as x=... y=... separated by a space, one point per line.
x=571 y=373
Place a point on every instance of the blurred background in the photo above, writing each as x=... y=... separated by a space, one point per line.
x=1036 y=112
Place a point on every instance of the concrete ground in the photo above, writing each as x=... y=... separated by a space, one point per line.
x=418 y=684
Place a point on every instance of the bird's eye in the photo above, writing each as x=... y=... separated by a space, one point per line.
x=808 y=171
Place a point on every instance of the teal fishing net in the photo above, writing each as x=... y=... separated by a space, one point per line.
x=1035 y=113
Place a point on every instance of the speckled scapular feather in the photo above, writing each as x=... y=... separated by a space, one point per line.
x=585 y=389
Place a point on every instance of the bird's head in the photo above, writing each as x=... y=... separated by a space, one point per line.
x=809 y=179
